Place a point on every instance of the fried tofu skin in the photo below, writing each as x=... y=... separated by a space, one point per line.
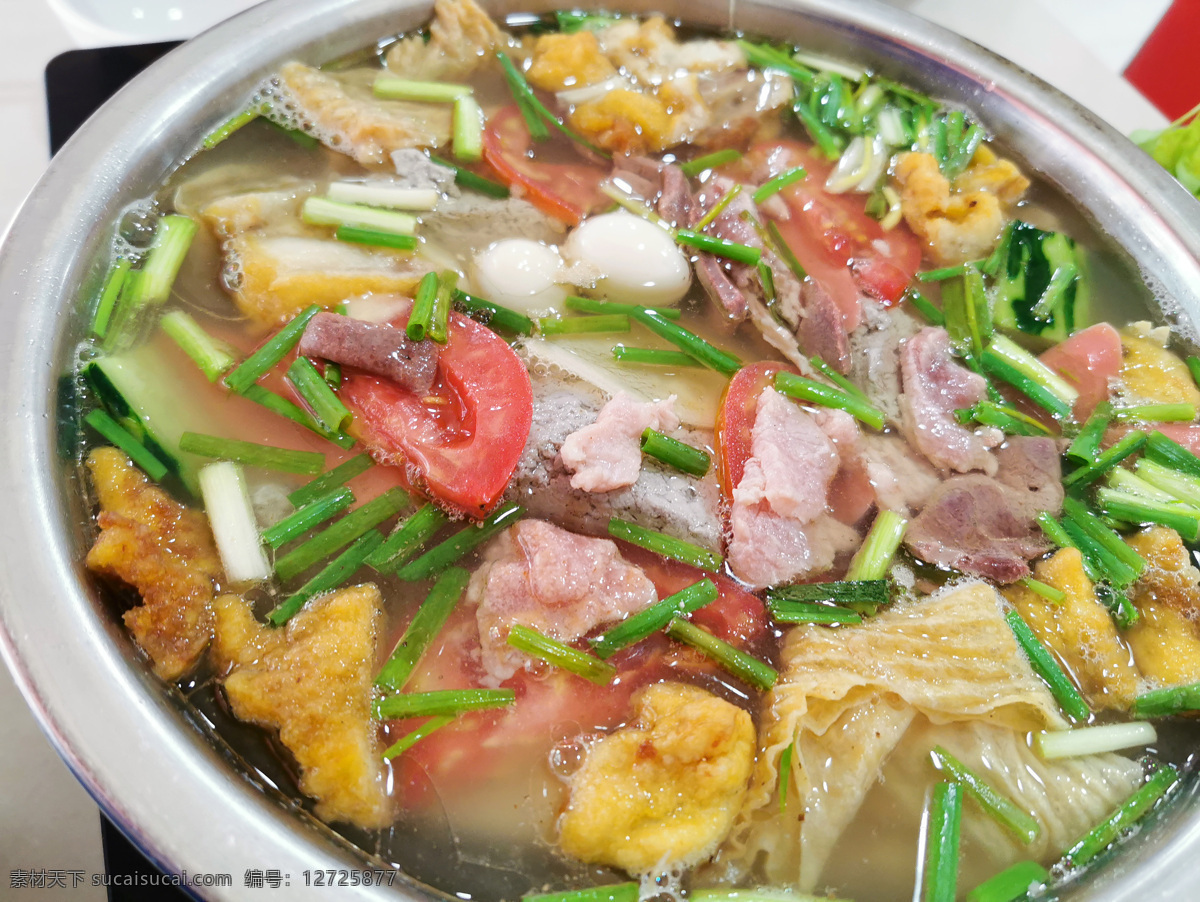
x=960 y=221
x=461 y=38
x=664 y=790
x=1166 y=639
x=163 y=550
x=1079 y=631
x=311 y=680
x=1153 y=374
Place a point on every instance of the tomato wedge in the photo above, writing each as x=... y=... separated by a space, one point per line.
x=735 y=420
x=566 y=191
x=835 y=240
x=1089 y=360
x=460 y=443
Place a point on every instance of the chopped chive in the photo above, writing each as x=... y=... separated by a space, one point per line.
x=465 y=178
x=693 y=168
x=968 y=315
x=431 y=616
x=1047 y=668
x=229 y=126
x=322 y=211
x=634 y=205
x=999 y=255
x=1007 y=419
x=572 y=660
x=718 y=208
x=941 y=843
x=654 y=618
x=408 y=538
x=825 y=139
x=947 y=272
x=531 y=107
x=1048 y=592
x=330 y=412
x=382 y=194
x=1170 y=453
x=467 y=135
x=580 y=304
x=332 y=575
x=1125 y=481
x=286 y=408
x=778 y=183
x=1098 y=563
x=764 y=56
x=838 y=379
x=442 y=555
x=1093 y=740
x=1007 y=360
x=967 y=145
x=1130 y=443
x=495 y=316
x=422 y=308
x=304 y=140
x=654 y=357
x=114 y=281
x=1156 y=413
x=341 y=533
x=720 y=247
x=574 y=325
x=675 y=453
x=925 y=307
x=1054 y=530
x=408 y=740
x=783 y=250
x=1086 y=445
x=114 y=432
x=439 y=318
x=783 y=611
x=389 y=87
x=1110 y=830
x=785 y=775
x=1193 y=365
x=814 y=392
x=1010 y=885
x=617 y=892
x=1052 y=297
x=332 y=374
x=303 y=519
x=172 y=239
x=664 y=545
x=1165 y=702
x=1002 y=810
x=375 y=238
x=689 y=342
x=215 y=358
x=252 y=454
x=1123 y=612
x=862 y=596
x=767 y=279
x=1105 y=537
x=339 y=475
x=1180 y=517
x=257 y=364
x=874 y=558
x=441 y=702
x=743 y=666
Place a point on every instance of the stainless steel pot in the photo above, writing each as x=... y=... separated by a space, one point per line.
x=148 y=759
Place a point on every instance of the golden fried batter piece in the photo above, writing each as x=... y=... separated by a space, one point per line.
x=1080 y=632
x=461 y=38
x=162 y=549
x=664 y=790
x=562 y=61
x=311 y=680
x=1166 y=640
x=1152 y=373
x=960 y=221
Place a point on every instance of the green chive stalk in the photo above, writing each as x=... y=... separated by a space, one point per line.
x=441 y=556
x=617 y=892
x=493 y=315
x=114 y=281
x=674 y=453
x=1011 y=884
x=874 y=558
x=252 y=454
x=329 y=410
x=424 y=628
x=714 y=358
x=654 y=357
x=1047 y=668
x=580 y=663
x=575 y=325
x=375 y=238
x=1135 y=807
x=1166 y=702
x=422 y=309
x=1086 y=444
x=743 y=666
x=579 y=304
x=1180 y=517
x=1170 y=453
x=408 y=740
x=257 y=364
x=664 y=545
x=441 y=702
x=654 y=618
x=784 y=611
x=778 y=183
x=465 y=178
x=339 y=475
x=343 y=532
x=305 y=518
x=719 y=247
x=114 y=432
x=214 y=358
x=1156 y=413
x=334 y=574
x=693 y=168
x=1128 y=445
x=1002 y=810
x=299 y=415
x=408 y=538
x=940 y=877
x=814 y=392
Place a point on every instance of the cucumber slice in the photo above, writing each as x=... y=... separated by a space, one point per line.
x=1033 y=257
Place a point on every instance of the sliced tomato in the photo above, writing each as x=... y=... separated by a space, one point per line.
x=832 y=236
x=735 y=419
x=566 y=191
x=1089 y=360
x=459 y=443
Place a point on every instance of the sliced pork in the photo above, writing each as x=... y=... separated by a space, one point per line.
x=988 y=526
x=554 y=581
x=875 y=354
x=377 y=348
x=607 y=454
x=934 y=388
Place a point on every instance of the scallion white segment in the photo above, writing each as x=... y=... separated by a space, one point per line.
x=1094 y=740
x=231 y=517
x=388 y=87
x=376 y=194
x=326 y=212
x=467 y=140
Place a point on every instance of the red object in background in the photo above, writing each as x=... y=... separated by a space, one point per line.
x=1165 y=70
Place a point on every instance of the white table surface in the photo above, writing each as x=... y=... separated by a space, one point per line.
x=47 y=820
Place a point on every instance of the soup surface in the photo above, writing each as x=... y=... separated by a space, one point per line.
x=582 y=451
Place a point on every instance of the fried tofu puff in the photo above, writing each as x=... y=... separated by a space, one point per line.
x=1166 y=638
x=1151 y=373
x=664 y=790
x=162 y=549
x=962 y=220
x=311 y=680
